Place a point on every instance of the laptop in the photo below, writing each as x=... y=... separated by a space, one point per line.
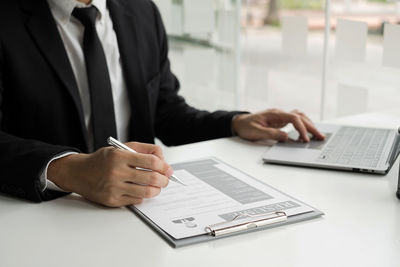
x=358 y=149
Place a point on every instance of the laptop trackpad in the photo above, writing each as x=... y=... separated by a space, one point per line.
x=294 y=142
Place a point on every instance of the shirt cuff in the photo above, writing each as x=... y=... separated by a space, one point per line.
x=47 y=184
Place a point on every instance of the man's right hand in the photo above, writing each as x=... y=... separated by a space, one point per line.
x=109 y=175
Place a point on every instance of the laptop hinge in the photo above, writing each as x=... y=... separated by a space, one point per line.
x=394 y=152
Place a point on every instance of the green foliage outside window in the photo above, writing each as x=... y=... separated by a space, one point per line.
x=302 y=4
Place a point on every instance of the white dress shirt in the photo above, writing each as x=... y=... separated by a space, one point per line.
x=71 y=32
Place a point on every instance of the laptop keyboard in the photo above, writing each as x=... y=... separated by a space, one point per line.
x=355 y=146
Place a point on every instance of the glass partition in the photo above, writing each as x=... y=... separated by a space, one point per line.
x=204 y=49
x=363 y=57
x=328 y=58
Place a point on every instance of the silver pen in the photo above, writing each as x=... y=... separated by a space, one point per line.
x=117 y=144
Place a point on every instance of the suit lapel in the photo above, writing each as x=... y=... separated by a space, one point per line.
x=43 y=30
x=141 y=128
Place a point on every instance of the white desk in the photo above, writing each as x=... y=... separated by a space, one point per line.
x=361 y=226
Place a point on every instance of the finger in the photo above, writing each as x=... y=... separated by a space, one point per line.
x=146 y=178
x=313 y=130
x=310 y=125
x=303 y=116
x=271 y=133
x=146 y=149
x=301 y=128
x=297 y=123
x=277 y=125
x=140 y=191
x=126 y=200
x=148 y=161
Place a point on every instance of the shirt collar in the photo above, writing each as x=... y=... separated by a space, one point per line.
x=62 y=9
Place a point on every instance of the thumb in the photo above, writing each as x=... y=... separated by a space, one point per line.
x=272 y=133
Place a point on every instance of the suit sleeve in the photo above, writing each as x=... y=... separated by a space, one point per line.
x=21 y=160
x=176 y=122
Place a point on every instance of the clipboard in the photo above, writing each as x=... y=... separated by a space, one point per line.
x=237 y=226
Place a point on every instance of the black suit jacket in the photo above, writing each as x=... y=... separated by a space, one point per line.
x=40 y=108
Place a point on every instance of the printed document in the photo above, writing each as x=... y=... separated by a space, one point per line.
x=214 y=193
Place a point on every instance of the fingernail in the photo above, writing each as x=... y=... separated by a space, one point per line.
x=170 y=171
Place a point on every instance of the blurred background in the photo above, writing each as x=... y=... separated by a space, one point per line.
x=329 y=58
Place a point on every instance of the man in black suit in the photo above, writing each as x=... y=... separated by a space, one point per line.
x=74 y=72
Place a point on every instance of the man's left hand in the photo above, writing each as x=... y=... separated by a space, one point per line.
x=267 y=125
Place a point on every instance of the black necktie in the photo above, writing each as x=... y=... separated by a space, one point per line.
x=103 y=117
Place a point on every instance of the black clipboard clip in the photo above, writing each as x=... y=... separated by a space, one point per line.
x=398 y=185
x=238 y=224
x=398 y=188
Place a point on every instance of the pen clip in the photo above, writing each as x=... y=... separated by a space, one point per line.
x=115 y=143
x=237 y=224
